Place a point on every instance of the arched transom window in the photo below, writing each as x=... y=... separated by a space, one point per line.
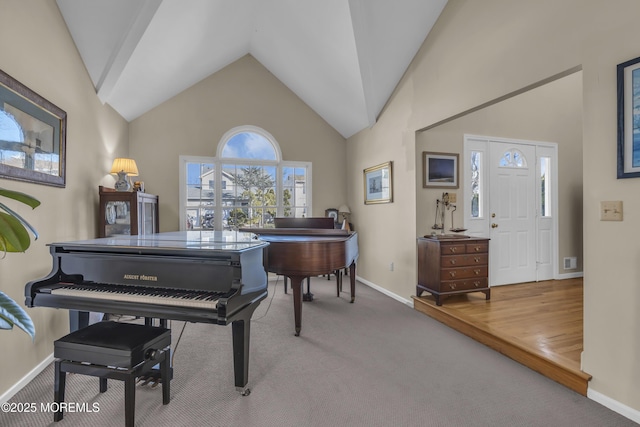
x=247 y=184
x=513 y=158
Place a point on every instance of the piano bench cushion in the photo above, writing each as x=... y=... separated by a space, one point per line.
x=117 y=344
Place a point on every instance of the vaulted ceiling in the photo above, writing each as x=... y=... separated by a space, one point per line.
x=343 y=58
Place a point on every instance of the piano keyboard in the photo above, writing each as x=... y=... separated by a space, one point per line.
x=142 y=295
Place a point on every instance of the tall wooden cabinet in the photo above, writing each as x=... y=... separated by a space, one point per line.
x=127 y=212
x=453 y=265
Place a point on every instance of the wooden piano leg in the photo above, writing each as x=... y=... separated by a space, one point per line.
x=296 y=285
x=352 y=277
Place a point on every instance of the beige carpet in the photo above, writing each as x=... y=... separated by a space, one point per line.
x=376 y=362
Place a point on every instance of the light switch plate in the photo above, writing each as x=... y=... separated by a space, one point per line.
x=611 y=211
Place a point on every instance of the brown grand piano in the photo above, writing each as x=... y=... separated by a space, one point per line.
x=298 y=253
x=307 y=222
x=212 y=277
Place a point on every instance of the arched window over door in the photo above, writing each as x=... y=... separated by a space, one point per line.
x=247 y=184
x=513 y=158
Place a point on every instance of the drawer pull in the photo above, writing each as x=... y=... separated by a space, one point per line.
x=476 y=284
x=452 y=286
x=452 y=274
x=477 y=249
x=477 y=272
x=476 y=259
x=452 y=249
x=452 y=262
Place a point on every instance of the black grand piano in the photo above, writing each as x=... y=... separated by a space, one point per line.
x=197 y=276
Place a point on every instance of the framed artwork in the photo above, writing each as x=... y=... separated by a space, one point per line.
x=378 y=184
x=439 y=170
x=333 y=213
x=32 y=135
x=628 y=74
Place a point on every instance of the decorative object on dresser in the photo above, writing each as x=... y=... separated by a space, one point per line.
x=124 y=168
x=453 y=264
x=127 y=212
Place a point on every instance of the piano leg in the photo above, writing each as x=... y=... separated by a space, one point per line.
x=241 y=331
x=296 y=285
x=305 y=297
x=352 y=277
x=308 y=296
x=78 y=320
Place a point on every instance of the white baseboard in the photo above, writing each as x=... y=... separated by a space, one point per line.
x=26 y=379
x=570 y=275
x=614 y=405
x=385 y=291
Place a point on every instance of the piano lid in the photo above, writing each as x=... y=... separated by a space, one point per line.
x=174 y=241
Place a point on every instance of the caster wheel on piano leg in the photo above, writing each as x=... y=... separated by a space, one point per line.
x=244 y=391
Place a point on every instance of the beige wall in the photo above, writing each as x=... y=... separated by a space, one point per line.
x=479 y=52
x=549 y=113
x=243 y=93
x=37 y=50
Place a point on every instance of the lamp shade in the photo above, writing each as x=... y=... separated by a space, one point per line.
x=127 y=166
x=344 y=209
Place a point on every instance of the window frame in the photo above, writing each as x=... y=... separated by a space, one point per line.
x=218 y=163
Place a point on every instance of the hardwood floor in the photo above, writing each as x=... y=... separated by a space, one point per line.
x=537 y=324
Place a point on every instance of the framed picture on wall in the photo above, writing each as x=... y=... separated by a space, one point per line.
x=439 y=170
x=378 y=184
x=32 y=135
x=628 y=74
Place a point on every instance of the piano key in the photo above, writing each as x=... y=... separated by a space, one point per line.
x=142 y=295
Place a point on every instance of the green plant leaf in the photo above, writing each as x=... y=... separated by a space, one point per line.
x=21 y=197
x=11 y=314
x=13 y=236
x=24 y=222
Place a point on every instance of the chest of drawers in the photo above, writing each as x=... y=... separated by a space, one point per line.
x=453 y=265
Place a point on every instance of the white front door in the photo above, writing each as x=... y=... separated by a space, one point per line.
x=512 y=213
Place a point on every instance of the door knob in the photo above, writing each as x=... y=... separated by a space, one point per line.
x=494 y=225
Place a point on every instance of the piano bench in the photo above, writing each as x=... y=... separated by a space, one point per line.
x=121 y=351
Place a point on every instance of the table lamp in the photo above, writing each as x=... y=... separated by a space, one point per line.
x=344 y=210
x=124 y=168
